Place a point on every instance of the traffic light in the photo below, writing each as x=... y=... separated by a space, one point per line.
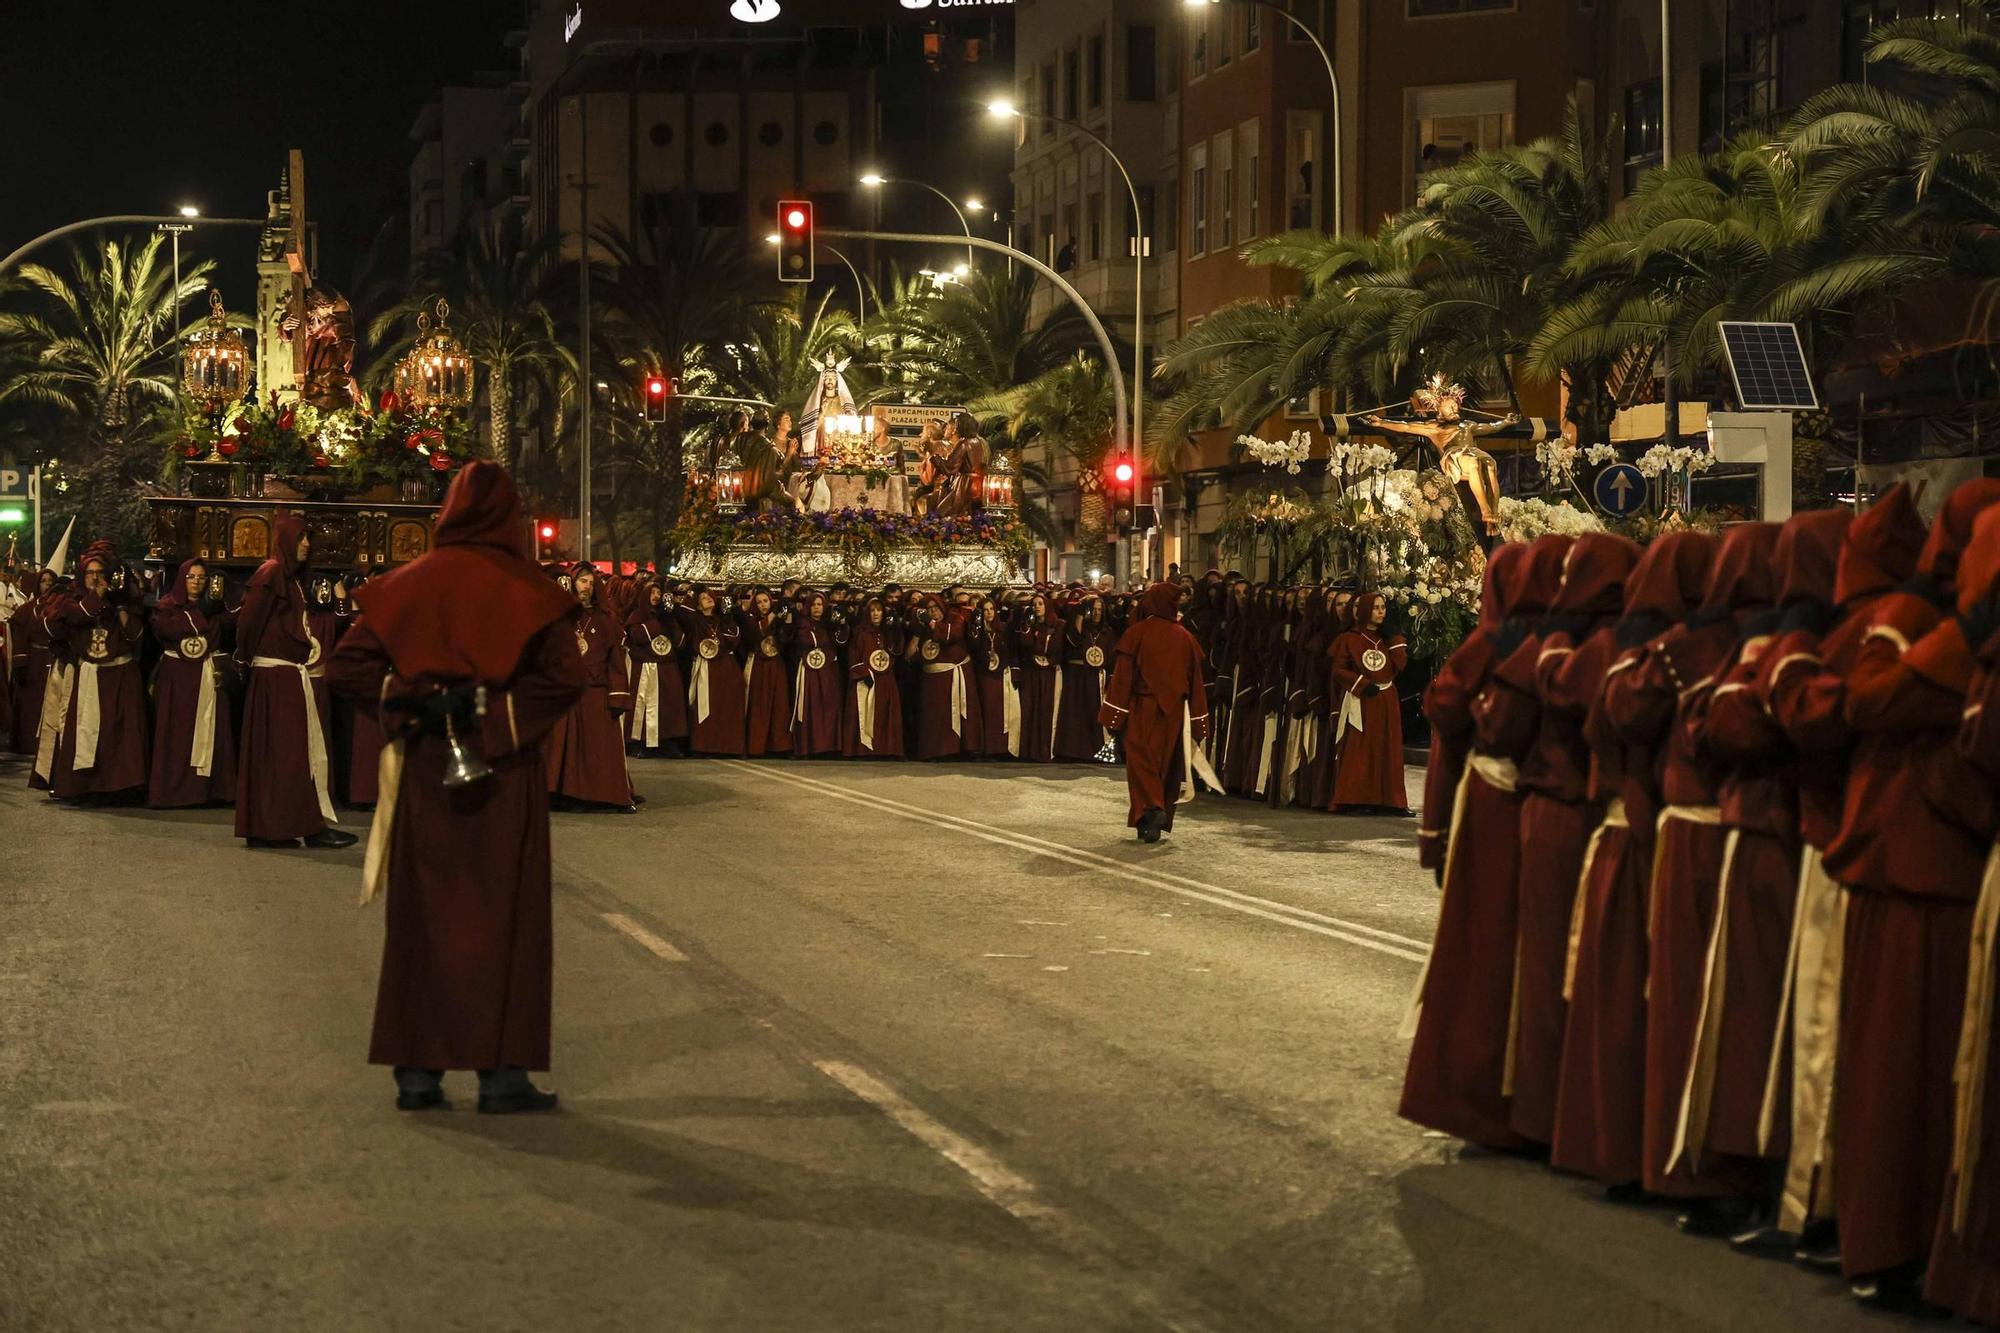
x=795 y=240
x=546 y=532
x=1121 y=476
x=655 y=391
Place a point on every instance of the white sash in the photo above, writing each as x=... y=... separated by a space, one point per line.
x=864 y=712
x=1055 y=712
x=646 y=706
x=1349 y=716
x=1010 y=712
x=315 y=738
x=201 y=753
x=959 y=710
x=388 y=786
x=1266 y=746
x=55 y=714
x=698 y=688
x=89 y=720
x=799 y=694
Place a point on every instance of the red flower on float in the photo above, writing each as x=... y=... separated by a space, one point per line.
x=226 y=446
x=286 y=418
x=413 y=439
x=440 y=463
x=190 y=451
x=390 y=402
x=321 y=461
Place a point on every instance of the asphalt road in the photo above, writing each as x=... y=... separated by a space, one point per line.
x=841 y=1046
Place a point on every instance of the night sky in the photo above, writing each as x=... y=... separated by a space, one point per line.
x=122 y=108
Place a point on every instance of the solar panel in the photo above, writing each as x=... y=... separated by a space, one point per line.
x=1769 y=366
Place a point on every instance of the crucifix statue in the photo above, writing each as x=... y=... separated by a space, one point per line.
x=1435 y=419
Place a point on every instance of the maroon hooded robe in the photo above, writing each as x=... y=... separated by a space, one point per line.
x=193 y=639
x=1086 y=663
x=767 y=684
x=1364 y=664
x=1156 y=702
x=1038 y=648
x=585 y=751
x=872 y=688
x=819 y=682
x=468 y=956
x=103 y=632
x=283 y=779
x=715 y=678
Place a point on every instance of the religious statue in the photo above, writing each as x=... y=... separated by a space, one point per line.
x=1435 y=419
x=830 y=397
x=329 y=342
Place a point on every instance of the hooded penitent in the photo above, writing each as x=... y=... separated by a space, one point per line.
x=1881 y=547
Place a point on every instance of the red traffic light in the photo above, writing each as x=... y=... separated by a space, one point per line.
x=795 y=218
x=656 y=387
x=547 y=530
x=795 y=240
x=1121 y=471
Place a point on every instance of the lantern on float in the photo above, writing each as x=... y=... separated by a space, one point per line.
x=730 y=482
x=999 y=484
x=215 y=364
x=435 y=374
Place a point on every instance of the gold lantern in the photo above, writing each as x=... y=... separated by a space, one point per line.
x=729 y=482
x=435 y=373
x=999 y=486
x=215 y=363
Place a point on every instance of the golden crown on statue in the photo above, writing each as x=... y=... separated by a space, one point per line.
x=1437 y=391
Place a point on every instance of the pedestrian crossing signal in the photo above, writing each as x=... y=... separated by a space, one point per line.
x=795 y=240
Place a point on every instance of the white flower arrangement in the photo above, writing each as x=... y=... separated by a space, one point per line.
x=1558 y=459
x=1665 y=458
x=1525 y=520
x=1357 y=459
x=1288 y=453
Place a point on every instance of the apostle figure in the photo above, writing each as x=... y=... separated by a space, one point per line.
x=103 y=745
x=654 y=638
x=818 y=680
x=872 y=727
x=586 y=747
x=715 y=680
x=194 y=737
x=1368 y=721
x=284 y=783
x=1156 y=703
x=467 y=649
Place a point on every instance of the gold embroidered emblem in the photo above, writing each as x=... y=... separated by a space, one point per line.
x=582 y=641
x=100 y=643
x=709 y=648
x=815 y=659
x=1041 y=661
x=1094 y=655
x=878 y=660
x=662 y=645
x=931 y=650
x=769 y=647
x=992 y=661
x=194 y=646
x=1374 y=659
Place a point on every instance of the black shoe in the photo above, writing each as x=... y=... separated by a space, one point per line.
x=1897 y=1291
x=1149 y=824
x=330 y=838
x=430 y=1099
x=1764 y=1239
x=528 y=1100
x=1715 y=1217
x=1630 y=1191
x=270 y=843
x=624 y=809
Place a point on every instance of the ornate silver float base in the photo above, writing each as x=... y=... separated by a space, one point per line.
x=752 y=562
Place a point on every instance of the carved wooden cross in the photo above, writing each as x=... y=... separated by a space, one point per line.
x=295 y=258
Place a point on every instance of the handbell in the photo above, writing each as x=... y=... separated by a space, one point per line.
x=465 y=767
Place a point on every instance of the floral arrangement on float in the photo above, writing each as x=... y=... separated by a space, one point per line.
x=305 y=450
x=1525 y=520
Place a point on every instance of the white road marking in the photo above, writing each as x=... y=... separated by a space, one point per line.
x=990 y=1176
x=1041 y=923
x=1136 y=953
x=1006 y=955
x=1298 y=918
x=652 y=943
x=1055 y=968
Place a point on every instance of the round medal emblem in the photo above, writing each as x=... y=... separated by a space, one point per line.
x=878 y=660
x=709 y=648
x=662 y=645
x=815 y=659
x=769 y=647
x=1094 y=655
x=1040 y=660
x=992 y=661
x=1374 y=659
x=194 y=646
x=931 y=650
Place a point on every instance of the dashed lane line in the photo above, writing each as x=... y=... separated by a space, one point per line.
x=1298 y=918
x=652 y=943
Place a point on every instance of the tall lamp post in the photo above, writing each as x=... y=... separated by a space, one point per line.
x=1332 y=78
x=875 y=180
x=1006 y=110
x=174 y=229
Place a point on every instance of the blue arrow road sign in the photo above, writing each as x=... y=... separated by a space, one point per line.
x=1619 y=490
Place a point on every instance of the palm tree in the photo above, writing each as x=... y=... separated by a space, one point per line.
x=772 y=358
x=975 y=338
x=1068 y=411
x=499 y=296
x=100 y=340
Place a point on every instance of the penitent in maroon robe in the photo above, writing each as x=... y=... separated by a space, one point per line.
x=872 y=722
x=1558 y=818
x=948 y=716
x=1912 y=873
x=192 y=727
x=767 y=685
x=654 y=638
x=283 y=777
x=1456 y=1079
x=1037 y=660
x=818 y=683
x=468 y=954
x=1157 y=703
x=585 y=751
x=715 y=678
x=1088 y=644
x=1367 y=715
x=1599 y=1110
x=992 y=650
x=104 y=743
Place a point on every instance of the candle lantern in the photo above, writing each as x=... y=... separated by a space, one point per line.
x=435 y=373
x=729 y=482
x=999 y=487
x=215 y=363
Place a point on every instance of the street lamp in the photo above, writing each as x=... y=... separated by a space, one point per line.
x=875 y=180
x=190 y=211
x=174 y=230
x=1332 y=79
x=1002 y=109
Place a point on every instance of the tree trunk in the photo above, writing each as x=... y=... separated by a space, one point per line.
x=1090 y=512
x=500 y=417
